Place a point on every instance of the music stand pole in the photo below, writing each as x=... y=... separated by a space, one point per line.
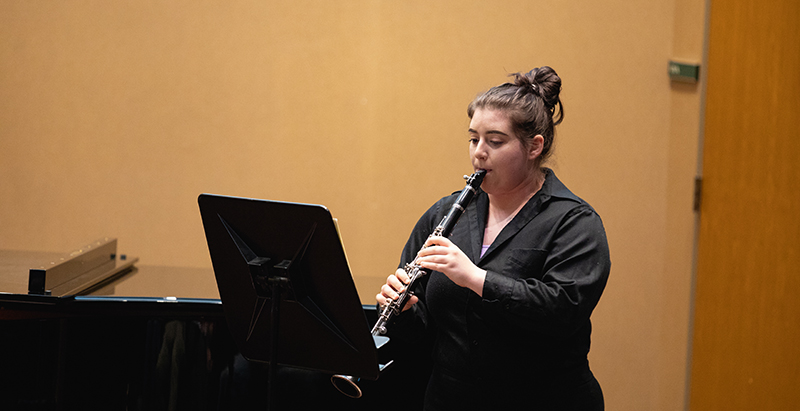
x=277 y=283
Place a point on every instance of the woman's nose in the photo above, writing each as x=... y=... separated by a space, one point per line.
x=480 y=149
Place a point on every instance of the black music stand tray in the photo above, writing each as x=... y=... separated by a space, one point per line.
x=286 y=287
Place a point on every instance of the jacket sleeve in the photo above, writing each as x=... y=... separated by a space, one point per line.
x=560 y=299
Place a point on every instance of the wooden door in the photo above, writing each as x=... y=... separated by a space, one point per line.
x=746 y=332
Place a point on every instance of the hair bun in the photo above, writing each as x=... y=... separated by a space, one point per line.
x=545 y=83
x=548 y=84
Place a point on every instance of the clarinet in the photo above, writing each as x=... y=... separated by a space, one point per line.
x=414 y=271
x=348 y=385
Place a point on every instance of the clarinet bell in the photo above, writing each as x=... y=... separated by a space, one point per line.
x=347 y=385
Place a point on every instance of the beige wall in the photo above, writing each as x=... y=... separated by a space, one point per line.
x=114 y=116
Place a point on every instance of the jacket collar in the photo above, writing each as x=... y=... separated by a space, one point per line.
x=479 y=209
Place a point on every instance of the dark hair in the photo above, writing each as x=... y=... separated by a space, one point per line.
x=532 y=103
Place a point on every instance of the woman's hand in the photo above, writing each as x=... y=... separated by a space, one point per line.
x=395 y=284
x=440 y=254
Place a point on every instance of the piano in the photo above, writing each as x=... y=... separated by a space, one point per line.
x=73 y=337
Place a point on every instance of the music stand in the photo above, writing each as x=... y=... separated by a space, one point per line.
x=286 y=288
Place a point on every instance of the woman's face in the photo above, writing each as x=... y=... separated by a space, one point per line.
x=494 y=147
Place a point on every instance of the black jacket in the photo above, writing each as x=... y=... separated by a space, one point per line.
x=545 y=274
